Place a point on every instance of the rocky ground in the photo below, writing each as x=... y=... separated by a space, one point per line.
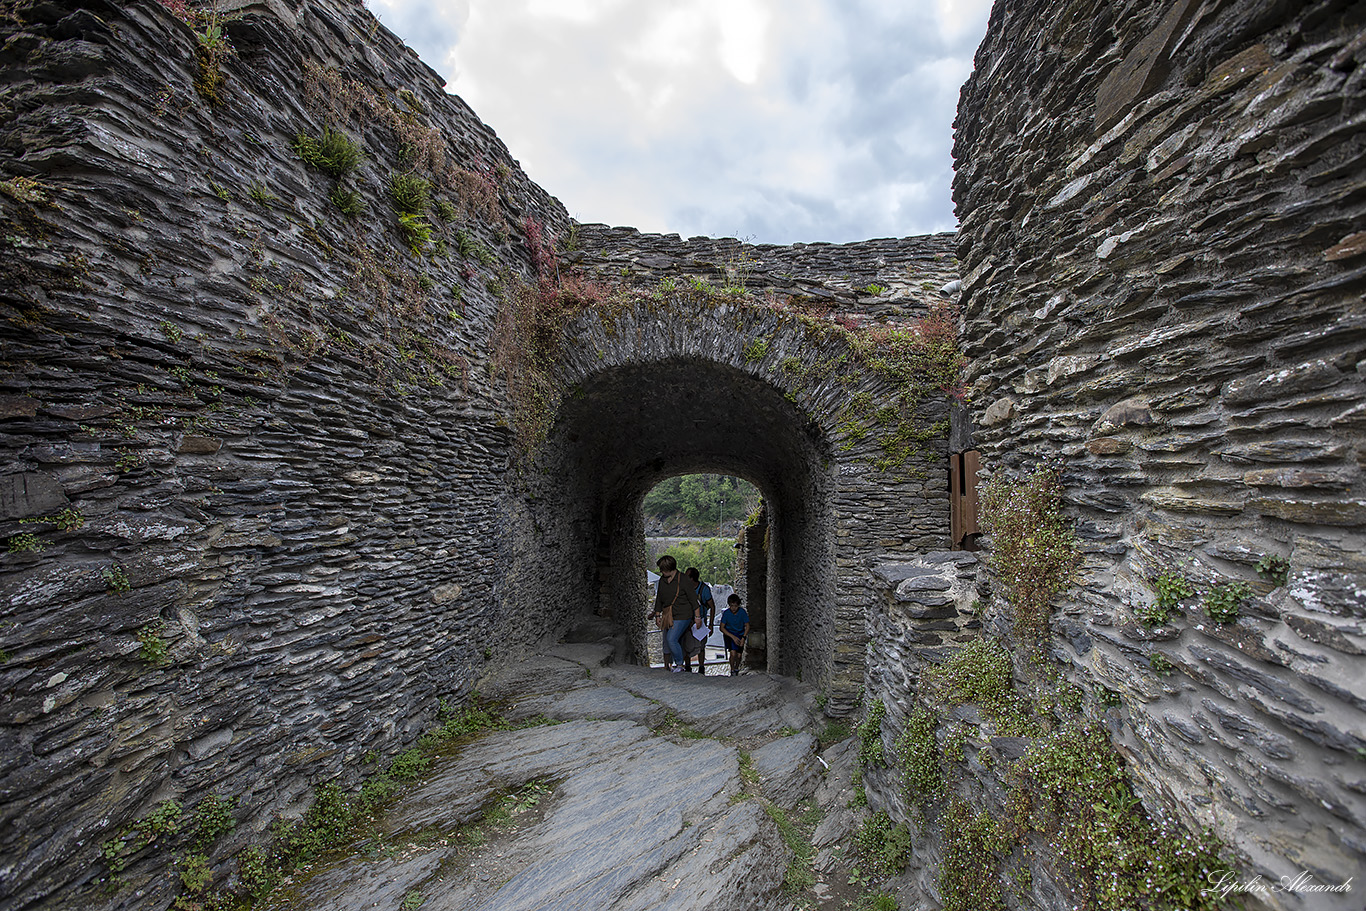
x=650 y=790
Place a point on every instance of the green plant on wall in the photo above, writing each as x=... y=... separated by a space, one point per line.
x=154 y=649
x=883 y=845
x=349 y=202
x=1116 y=856
x=24 y=543
x=970 y=872
x=1170 y=588
x=1274 y=568
x=333 y=153
x=116 y=579
x=1034 y=549
x=870 y=736
x=411 y=194
x=1224 y=600
x=917 y=756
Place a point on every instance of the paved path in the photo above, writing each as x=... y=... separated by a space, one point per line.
x=657 y=791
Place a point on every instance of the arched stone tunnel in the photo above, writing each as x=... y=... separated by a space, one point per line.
x=680 y=386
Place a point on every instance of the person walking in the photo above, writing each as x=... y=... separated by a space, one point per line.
x=735 y=628
x=708 y=616
x=675 y=594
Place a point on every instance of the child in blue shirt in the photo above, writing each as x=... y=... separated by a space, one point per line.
x=735 y=627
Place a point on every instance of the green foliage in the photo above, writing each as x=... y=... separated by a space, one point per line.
x=170 y=330
x=412 y=900
x=1117 y=857
x=164 y=820
x=1034 y=550
x=874 y=289
x=333 y=153
x=349 y=202
x=981 y=673
x=212 y=819
x=195 y=873
x=918 y=757
x=756 y=349
x=444 y=210
x=970 y=873
x=259 y=194
x=878 y=901
x=796 y=835
x=885 y=847
x=510 y=806
x=870 y=736
x=833 y=732
x=1160 y=665
x=155 y=650
x=1274 y=568
x=748 y=773
x=411 y=194
x=416 y=232
x=1170 y=588
x=698 y=498
x=116 y=579
x=24 y=544
x=715 y=559
x=1224 y=600
x=409 y=765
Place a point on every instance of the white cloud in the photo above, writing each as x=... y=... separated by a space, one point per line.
x=805 y=120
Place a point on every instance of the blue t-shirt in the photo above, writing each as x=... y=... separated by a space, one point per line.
x=703 y=596
x=735 y=621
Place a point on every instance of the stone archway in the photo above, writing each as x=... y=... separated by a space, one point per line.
x=663 y=387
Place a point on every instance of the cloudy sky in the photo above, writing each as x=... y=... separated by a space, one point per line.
x=776 y=120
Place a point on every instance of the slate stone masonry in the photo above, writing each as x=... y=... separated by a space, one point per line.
x=1161 y=216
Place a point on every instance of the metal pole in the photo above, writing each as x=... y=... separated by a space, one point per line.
x=720 y=519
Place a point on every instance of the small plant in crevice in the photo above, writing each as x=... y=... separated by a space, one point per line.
x=1171 y=588
x=970 y=871
x=349 y=202
x=1274 y=568
x=755 y=350
x=411 y=194
x=917 y=755
x=334 y=153
x=1160 y=664
x=1223 y=601
x=870 y=736
x=116 y=579
x=213 y=50
x=261 y=196
x=164 y=820
x=884 y=846
x=417 y=233
x=25 y=543
x=153 y=647
x=1034 y=550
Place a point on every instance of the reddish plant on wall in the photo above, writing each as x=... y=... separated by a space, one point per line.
x=540 y=248
x=1034 y=549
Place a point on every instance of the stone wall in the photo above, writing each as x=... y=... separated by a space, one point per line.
x=666 y=383
x=1161 y=240
x=260 y=491
x=238 y=426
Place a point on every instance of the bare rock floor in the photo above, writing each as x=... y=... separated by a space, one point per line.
x=650 y=791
